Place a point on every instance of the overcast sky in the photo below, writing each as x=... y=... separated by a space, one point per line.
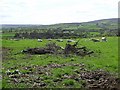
x=56 y=11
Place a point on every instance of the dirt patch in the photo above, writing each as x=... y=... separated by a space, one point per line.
x=94 y=80
x=100 y=80
x=5 y=52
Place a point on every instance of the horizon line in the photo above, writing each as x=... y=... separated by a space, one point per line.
x=55 y=23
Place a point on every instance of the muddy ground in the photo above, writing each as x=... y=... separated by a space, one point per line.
x=94 y=80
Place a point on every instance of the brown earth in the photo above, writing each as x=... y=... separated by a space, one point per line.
x=94 y=80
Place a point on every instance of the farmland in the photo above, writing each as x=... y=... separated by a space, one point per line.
x=90 y=63
x=105 y=57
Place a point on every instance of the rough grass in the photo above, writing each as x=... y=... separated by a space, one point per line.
x=105 y=57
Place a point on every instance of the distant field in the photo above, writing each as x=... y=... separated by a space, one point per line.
x=105 y=57
x=7 y=35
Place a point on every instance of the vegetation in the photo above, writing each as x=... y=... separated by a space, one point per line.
x=25 y=70
x=103 y=58
x=106 y=27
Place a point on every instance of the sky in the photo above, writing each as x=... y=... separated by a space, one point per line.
x=56 y=11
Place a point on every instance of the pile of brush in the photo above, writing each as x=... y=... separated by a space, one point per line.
x=53 y=48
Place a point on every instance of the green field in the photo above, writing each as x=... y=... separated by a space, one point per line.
x=7 y=35
x=105 y=57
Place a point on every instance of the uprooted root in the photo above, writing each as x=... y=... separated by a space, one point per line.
x=53 y=48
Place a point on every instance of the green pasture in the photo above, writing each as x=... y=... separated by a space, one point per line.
x=7 y=35
x=105 y=57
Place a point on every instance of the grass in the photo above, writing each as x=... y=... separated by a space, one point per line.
x=105 y=57
x=7 y=35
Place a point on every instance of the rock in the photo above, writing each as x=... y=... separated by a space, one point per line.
x=16 y=72
x=13 y=76
x=42 y=84
x=8 y=72
x=15 y=80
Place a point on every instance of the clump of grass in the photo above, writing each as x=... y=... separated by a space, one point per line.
x=68 y=82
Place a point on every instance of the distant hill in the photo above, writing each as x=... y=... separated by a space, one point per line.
x=96 y=25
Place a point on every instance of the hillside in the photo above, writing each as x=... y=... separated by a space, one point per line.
x=97 y=24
